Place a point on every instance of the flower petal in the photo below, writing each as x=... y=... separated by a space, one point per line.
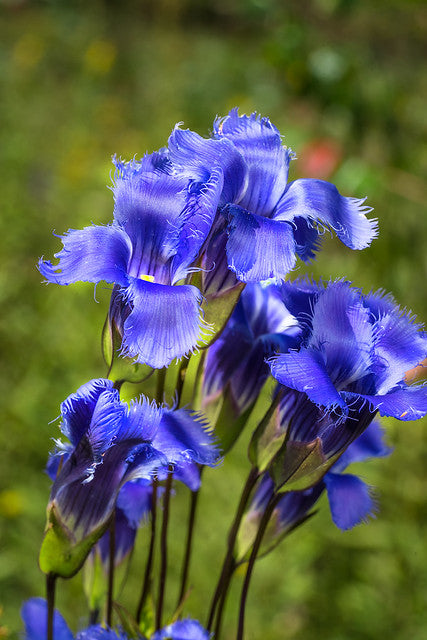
x=259 y=248
x=350 y=499
x=78 y=408
x=198 y=156
x=182 y=630
x=260 y=144
x=305 y=371
x=321 y=202
x=368 y=445
x=164 y=324
x=185 y=437
x=403 y=402
x=34 y=615
x=90 y=255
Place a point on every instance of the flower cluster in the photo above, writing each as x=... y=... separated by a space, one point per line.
x=204 y=235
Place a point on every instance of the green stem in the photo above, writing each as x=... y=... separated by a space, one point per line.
x=257 y=543
x=50 y=598
x=189 y=543
x=149 y=564
x=221 y=606
x=160 y=389
x=224 y=578
x=163 y=550
x=111 y=565
x=181 y=379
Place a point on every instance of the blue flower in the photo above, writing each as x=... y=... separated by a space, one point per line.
x=182 y=630
x=350 y=499
x=264 y=222
x=235 y=364
x=352 y=362
x=111 y=444
x=161 y=220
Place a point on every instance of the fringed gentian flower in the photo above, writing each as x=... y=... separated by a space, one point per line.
x=351 y=364
x=264 y=222
x=161 y=220
x=34 y=616
x=350 y=499
x=111 y=444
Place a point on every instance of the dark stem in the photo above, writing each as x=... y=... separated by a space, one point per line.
x=163 y=550
x=224 y=578
x=221 y=606
x=111 y=566
x=50 y=598
x=181 y=379
x=188 y=546
x=93 y=616
x=149 y=565
x=160 y=389
x=257 y=543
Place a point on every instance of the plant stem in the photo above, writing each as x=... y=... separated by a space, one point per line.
x=111 y=565
x=50 y=598
x=181 y=379
x=189 y=542
x=223 y=600
x=224 y=578
x=257 y=543
x=160 y=388
x=149 y=565
x=164 y=550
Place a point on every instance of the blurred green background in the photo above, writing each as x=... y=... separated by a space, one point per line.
x=344 y=81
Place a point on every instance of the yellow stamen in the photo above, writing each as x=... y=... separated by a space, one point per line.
x=147 y=278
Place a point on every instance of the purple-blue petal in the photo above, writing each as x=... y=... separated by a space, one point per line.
x=350 y=499
x=260 y=144
x=78 y=408
x=402 y=402
x=91 y=254
x=185 y=437
x=305 y=371
x=321 y=202
x=98 y=632
x=259 y=248
x=34 y=615
x=182 y=630
x=368 y=445
x=165 y=322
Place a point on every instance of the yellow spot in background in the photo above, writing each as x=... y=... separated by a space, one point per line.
x=11 y=503
x=28 y=51
x=100 y=56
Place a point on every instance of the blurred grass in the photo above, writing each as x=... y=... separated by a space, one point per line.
x=344 y=82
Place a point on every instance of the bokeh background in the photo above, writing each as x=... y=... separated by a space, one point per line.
x=345 y=83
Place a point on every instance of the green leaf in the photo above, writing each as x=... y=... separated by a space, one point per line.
x=94 y=582
x=228 y=427
x=267 y=438
x=147 y=622
x=120 y=369
x=127 y=621
x=217 y=308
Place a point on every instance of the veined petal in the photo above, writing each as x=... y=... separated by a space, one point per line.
x=198 y=216
x=342 y=331
x=78 y=408
x=350 y=499
x=185 y=437
x=34 y=615
x=143 y=418
x=90 y=255
x=164 y=324
x=321 y=202
x=197 y=156
x=305 y=371
x=259 y=248
x=150 y=207
x=403 y=402
x=399 y=345
x=98 y=632
x=260 y=144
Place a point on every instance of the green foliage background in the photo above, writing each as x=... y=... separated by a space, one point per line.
x=82 y=81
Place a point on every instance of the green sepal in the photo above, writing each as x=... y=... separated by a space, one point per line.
x=94 y=582
x=271 y=539
x=120 y=369
x=217 y=307
x=228 y=427
x=127 y=621
x=300 y=465
x=267 y=439
x=60 y=555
